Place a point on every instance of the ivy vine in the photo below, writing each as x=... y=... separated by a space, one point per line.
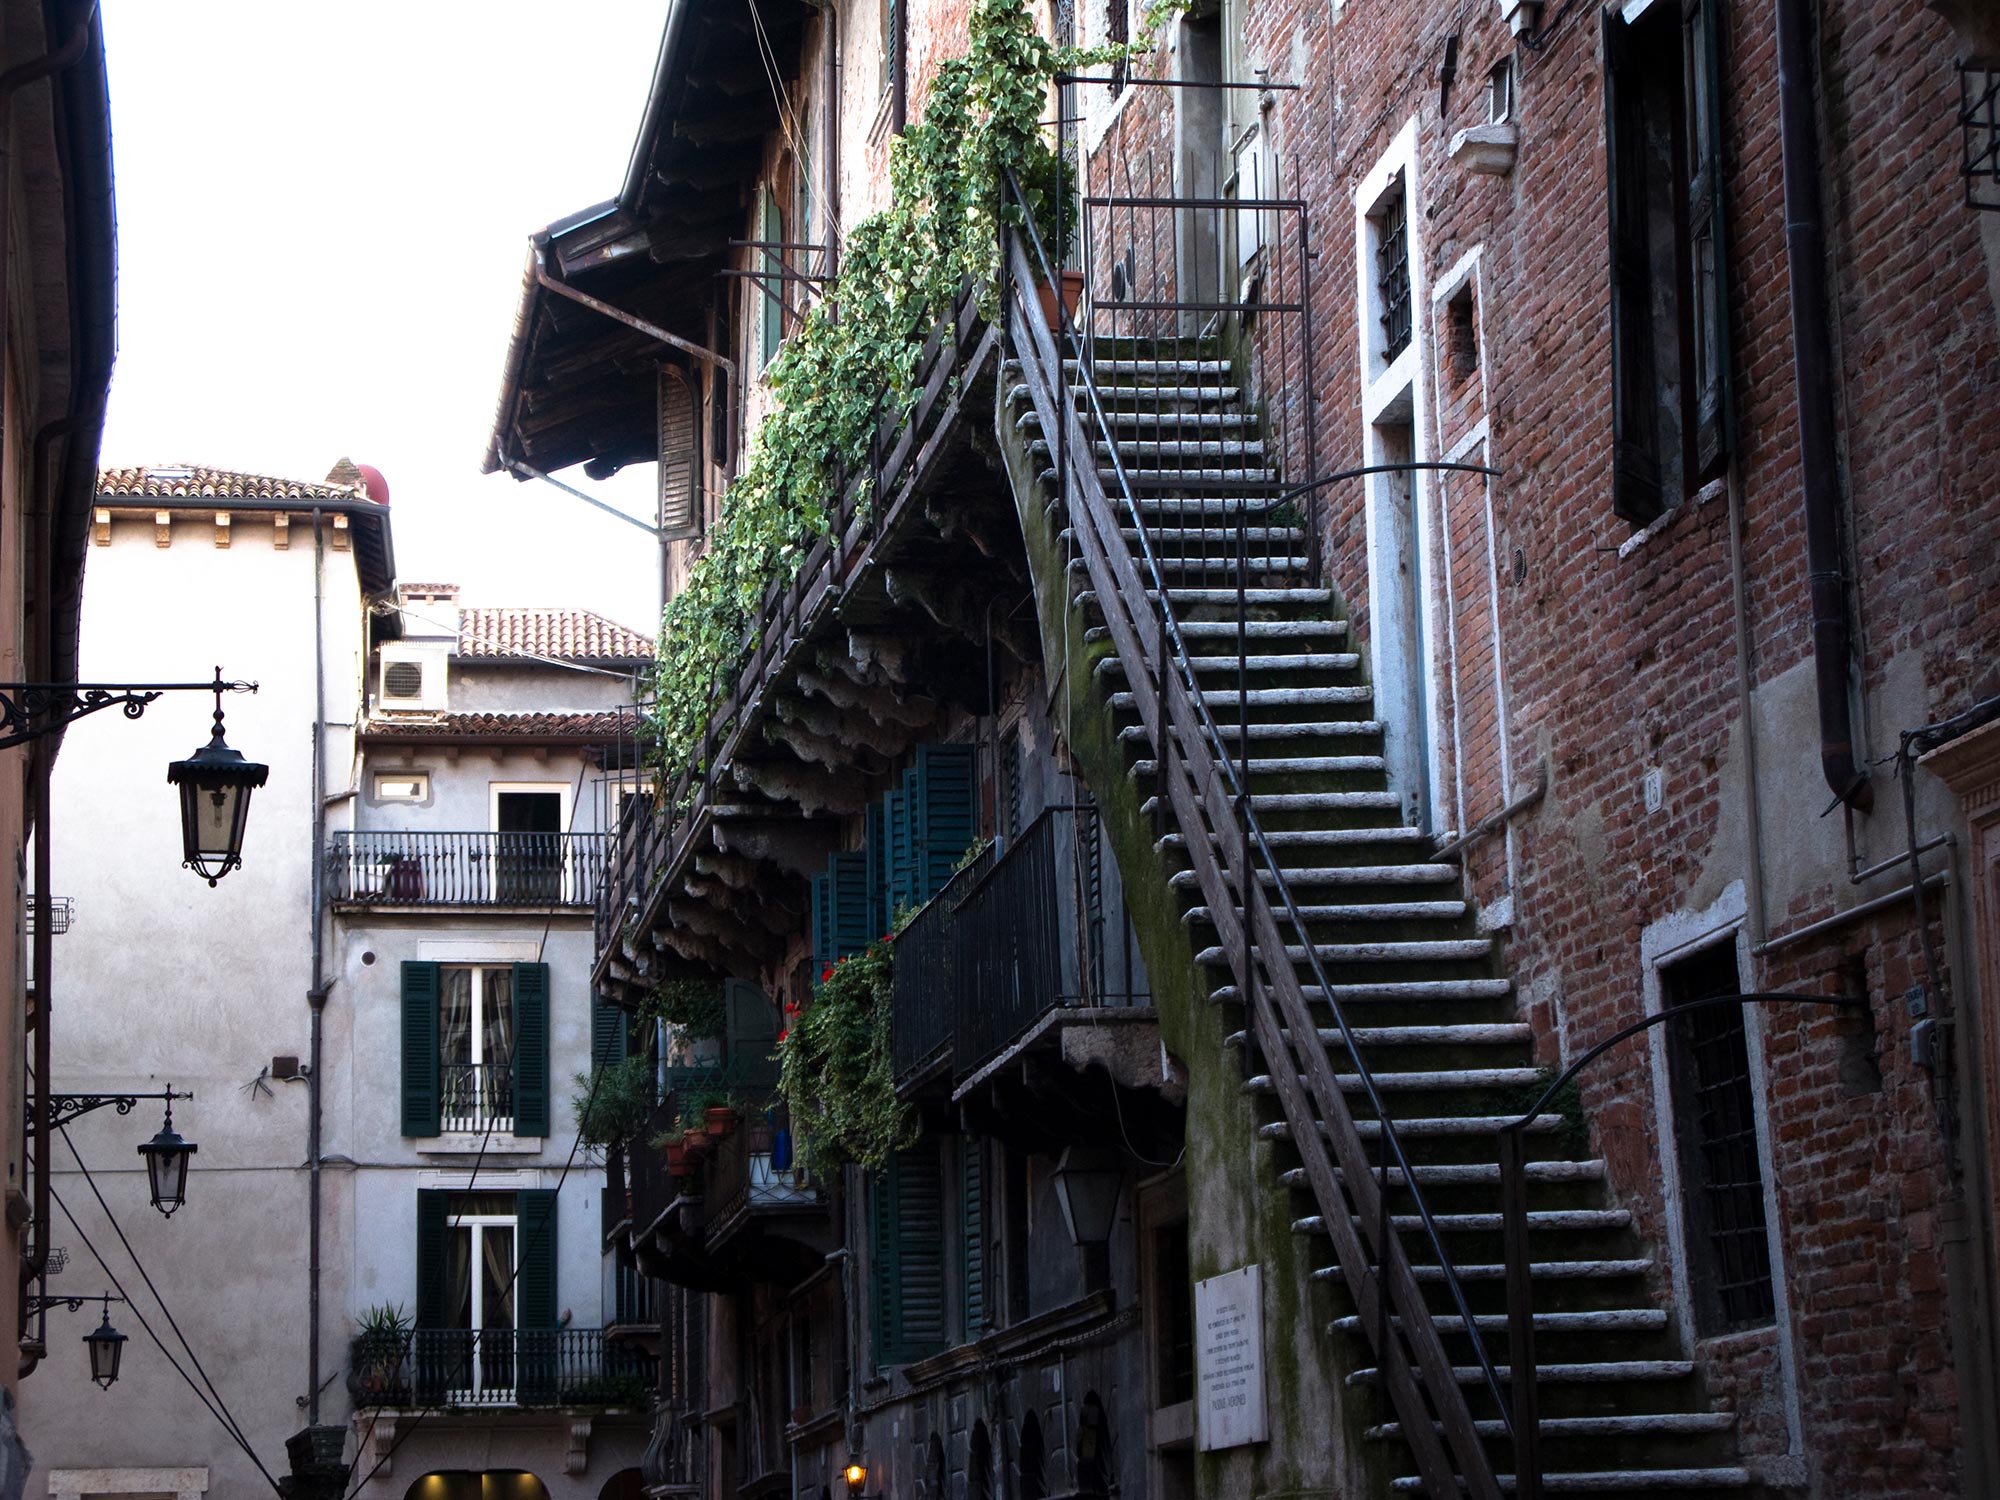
x=852 y=360
x=835 y=1068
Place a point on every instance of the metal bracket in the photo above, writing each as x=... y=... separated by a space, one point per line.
x=29 y=710
x=36 y=1303
x=62 y=1108
x=1979 y=122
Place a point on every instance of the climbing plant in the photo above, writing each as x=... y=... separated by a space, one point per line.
x=852 y=360
x=835 y=1069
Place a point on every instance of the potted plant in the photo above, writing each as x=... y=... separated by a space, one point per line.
x=375 y=1361
x=718 y=1116
x=1049 y=184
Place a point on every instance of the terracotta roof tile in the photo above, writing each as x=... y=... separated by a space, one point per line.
x=593 y=727
x=199 y=482
x=559 y=634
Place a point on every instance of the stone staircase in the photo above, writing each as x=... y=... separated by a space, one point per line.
x=1432 y=1017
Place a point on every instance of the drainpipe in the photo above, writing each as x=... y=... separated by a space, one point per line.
x=1813 y=373
x=42 y=660
x=316 y=996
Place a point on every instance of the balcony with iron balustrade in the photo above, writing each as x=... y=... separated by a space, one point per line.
x=482 y=1368
x=451 y=870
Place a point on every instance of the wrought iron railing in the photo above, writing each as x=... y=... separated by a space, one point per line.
x=1259 y=923
x=476 y=1096
x=412 y=868
x=462 y=1367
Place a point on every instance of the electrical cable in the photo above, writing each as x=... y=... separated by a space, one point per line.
x=139 y=1313
x=117 y=1229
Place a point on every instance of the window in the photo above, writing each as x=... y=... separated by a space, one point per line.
x=402 y=786
x=1715 y=1130
x=1670 y=407
x=770 y=278
x=1173 y=1315
x=1462 y=333
x=906 y=1241
x=486 y=1288
x=1392 y=270
x=528 y=823
x=1500 y=92
x=475 y=1048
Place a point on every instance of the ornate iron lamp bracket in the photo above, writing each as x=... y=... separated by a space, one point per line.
x=62 y=1108
x=37 y=1303
x=29 y=710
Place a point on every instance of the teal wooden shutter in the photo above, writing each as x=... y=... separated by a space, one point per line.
x=610 y=1035
x=852 y=931
x=906 y=1256
x=822 y=923
x=1635 y=441
x=942 y=812
x=531 y=1049
x=880 y=913
x=771 y=278
x=1708 y=324
x=420 y=1048
x=900 y=885
x=972 y=1234
x=752 y=1026
x=535 y=1302
x=431 y=1356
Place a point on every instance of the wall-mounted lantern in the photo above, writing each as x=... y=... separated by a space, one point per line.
x=215 y=784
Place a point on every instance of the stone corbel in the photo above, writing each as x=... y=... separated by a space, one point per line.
x=578 y=1458
x=1486 y=148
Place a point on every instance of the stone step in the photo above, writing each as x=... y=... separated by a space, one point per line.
x=1410 y=1082
x=1609 y=1481
x=1156 y=366
x=1292 y=730
x=1253 y=630
x=1167 y=452
x=1432 y=1126
x=1618 y=1320
x=1546 y=1270
x=1218 y=542
x=1470 y=1174
x=1510 y=1033
x=1373 y=911
x=1572 y=1220
x=1311 y=697
x=1419 y=951
x=1628 y=1424
x=1276 y=802
x=1030 y=420
x=1311 y=875
x=1258 y=596
x=1318 y=661
x=1594 y=1372
x=1401 y=992
x=1252 y=567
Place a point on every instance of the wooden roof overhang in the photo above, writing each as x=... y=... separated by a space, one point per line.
x=863 y=656
x=579 y=386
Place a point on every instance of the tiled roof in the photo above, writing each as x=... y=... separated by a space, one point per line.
x=591 y=727
x=560 y=634
x=198 y=482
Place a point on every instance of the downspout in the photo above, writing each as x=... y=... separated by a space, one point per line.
x=316 y=996
x=44 y=952
x=1813 y=373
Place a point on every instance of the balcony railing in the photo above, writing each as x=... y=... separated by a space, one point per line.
x=413 y=868
x=1036 y=929
x=476 y=1096
x=465 y=1367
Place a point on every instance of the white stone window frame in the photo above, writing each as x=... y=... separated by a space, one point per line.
x=1395 y=392
x=561 y=789
x=1662 y=943
x=419 y=796
x=128 y=1484
x=453 y=953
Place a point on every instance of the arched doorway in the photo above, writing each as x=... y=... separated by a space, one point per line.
x=626 y=1484
x=1033 y=1487
x=470 y=1484
x=979 y=1465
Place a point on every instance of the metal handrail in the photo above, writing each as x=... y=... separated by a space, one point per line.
x=1442 y=1386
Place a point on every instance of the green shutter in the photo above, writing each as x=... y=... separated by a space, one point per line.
x=1708 y=322
x=420 y=1048
x=431 y=1357
x=822 y=923
x=942 y=814
x=1635 y=442
x=531 y=1049
x=771 y=279
x=610 y=1034
x=751 y=1023
x=852 y=931
x=899 y=886
x=535 y=1300
x=880 y=913
x=972 y=1234
x=906 y=1256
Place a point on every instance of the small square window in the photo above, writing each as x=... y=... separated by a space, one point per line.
x=402 y=786
x=1500 y=92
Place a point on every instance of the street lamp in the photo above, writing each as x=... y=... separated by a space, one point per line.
x=107 y=1347
x=215 y=784
x=1089 y=1180
x=856 y=1475
x=167 y=1164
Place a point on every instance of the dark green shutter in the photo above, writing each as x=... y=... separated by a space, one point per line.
x=906 y=1256
x=852 y=929
x=1635 y=441
x=751 y=1022
x=880 y=913
x=942 y=812
x=535 y=1300
x=431 y=1357
x=1708 y=321
x=822 y=923
x=900 y=884
x=972 y=1234
x=610 y=1034
x=531 y=1049
x=420 y=1048
x=770 y=280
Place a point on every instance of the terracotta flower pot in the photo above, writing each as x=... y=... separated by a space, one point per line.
x=677 y=1162
x=1072 y=297
x=720 y=1120
x=695 y=1139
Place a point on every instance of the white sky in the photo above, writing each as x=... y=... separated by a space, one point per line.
x=323 y=211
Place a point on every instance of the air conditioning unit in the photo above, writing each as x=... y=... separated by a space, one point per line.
x=410 y=682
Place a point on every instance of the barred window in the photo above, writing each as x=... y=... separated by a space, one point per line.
x=1715 y=1128
x=1392 y=269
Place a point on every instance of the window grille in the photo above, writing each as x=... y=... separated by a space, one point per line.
x=1979 y=119
x=1392 y=271
x=1715 y=1110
